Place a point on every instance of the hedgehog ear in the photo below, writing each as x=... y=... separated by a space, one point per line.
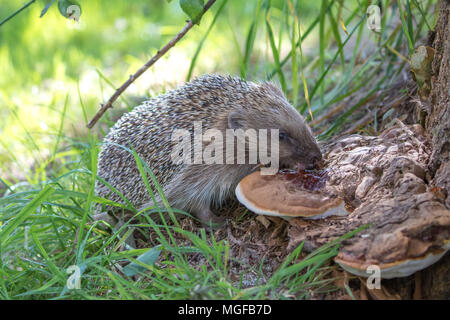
x=235 y=120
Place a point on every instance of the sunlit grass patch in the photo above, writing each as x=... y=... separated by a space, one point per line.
x=49 y=229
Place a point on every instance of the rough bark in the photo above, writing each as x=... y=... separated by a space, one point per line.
x=436 y=280
x=399 y=183
x=438 y=120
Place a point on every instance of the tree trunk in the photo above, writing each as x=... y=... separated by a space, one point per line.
x=438 y=120
x=436 y=279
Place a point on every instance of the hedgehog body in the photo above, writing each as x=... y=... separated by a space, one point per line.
x=220 y=103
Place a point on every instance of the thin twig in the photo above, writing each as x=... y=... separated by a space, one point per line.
x=369 y=118
x=144 y=68
x=328 y=115
x=17 y=12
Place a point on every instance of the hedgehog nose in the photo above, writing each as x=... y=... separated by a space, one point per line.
x=316 y=162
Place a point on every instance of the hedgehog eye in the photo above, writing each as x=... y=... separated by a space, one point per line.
x=283 y=136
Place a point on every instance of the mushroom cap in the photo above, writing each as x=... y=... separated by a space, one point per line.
x=399 y=243
x=397 y=269
x=277 y=196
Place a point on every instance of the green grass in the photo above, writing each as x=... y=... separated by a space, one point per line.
x=54 y=78
x=37 y=248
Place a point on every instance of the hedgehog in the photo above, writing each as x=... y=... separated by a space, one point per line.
x=220 y=103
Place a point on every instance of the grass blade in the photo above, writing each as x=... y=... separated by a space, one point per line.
x=29 y=209
x=405 y=26
x=250 y=41
x=200 y=45
x=275 y=52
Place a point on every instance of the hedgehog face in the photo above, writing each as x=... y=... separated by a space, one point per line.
x=295 y=149
x=296 y=142
x=270 y=110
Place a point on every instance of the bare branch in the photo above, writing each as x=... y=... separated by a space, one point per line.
x=17 y=12
x=144 y=68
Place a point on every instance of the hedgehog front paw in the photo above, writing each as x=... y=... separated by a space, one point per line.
x=208 y=218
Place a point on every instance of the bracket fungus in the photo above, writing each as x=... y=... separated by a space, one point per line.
x=384 y=178
x=396 y=269
x=289 y=194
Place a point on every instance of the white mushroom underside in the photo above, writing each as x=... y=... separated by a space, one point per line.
x=403 y=269
x=335 y=211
